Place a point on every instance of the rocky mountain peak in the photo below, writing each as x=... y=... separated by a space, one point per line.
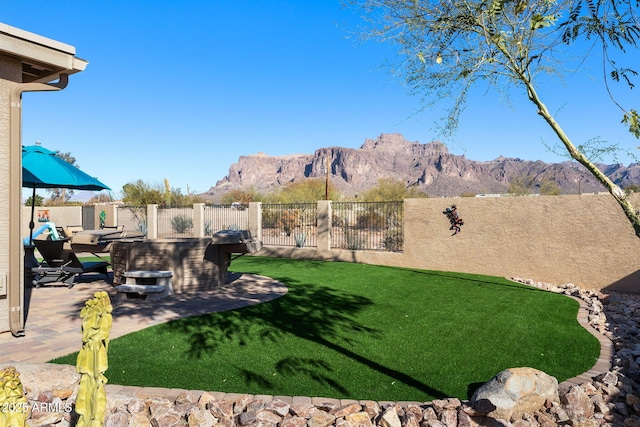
x=396 y=143
x=429 y=167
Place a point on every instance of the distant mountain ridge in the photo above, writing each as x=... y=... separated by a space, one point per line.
x=428 y=166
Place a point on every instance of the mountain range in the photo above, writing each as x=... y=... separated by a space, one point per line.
x=430 y=167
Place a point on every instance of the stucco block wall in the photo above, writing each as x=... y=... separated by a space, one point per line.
x=580 y=239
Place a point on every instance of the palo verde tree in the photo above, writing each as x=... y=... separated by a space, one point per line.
x=448 y=46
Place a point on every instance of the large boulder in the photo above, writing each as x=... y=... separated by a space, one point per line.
x=517 y=391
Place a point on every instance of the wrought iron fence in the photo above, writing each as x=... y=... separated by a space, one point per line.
x=225 y=217
x=175 y=222
x=367 y=226
x=355 y=225
x=133 y=218
x=292 y=224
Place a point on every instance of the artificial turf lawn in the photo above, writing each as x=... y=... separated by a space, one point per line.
x=363 y=332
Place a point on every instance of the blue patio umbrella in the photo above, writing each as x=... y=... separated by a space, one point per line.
x=42 y=168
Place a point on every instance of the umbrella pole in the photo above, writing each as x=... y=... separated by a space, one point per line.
x=33 y=210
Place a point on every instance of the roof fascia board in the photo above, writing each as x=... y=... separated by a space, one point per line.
x=39 y=54
x=40 y=50
x=36 y=39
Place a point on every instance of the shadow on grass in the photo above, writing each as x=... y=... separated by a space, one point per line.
x=476 y=280
x=318 y=314
x=313 y=369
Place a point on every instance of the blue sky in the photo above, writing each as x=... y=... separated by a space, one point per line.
x=181 y=89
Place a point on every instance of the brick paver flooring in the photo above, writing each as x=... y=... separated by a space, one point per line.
x=53 y=321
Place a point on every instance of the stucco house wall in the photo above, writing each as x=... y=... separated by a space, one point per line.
x=9 y=74
x=28 y=63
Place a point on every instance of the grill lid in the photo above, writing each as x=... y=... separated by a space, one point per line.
x=230 y=237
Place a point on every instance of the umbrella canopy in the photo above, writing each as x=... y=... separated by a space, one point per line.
x=42 y=168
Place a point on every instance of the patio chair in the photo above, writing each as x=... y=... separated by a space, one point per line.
x=67 y=231
x=61 y=265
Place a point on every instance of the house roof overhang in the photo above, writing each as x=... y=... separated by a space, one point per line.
x=43 y=59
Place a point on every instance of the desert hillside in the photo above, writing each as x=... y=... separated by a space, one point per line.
x=428 y=166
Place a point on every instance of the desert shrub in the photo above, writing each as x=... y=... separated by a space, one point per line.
x=337 y=220
x=372 y=220
x=208 y=228
x=181 y=223
x=549 y=187
x=270 y=218
x=521 y=185
x=289 y=220
x=393 y=239
x=353 y=239
x=629 y=189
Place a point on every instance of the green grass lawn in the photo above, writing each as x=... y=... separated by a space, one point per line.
x=360 y=331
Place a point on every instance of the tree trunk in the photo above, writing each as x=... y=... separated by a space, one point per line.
x=618 y=194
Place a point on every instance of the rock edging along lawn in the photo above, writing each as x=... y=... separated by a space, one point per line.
x=610 y=398
x=596 y=403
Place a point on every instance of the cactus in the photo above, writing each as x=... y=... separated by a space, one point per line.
x=300 y=239
x=14 y=406
x=92 y=360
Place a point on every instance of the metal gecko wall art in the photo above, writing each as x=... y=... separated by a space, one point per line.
x=454 y=219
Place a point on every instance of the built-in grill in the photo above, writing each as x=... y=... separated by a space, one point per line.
x=197 y=264
x=224 y=244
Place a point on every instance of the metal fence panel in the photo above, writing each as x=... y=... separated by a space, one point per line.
x=225 y=217
x=175 y=222
x=292 y=224
x=133 y=218
x=376 y=226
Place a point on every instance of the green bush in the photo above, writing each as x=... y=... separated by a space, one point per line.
x=181 y=223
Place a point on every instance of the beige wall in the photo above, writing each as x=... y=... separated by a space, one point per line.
x=581 y=239
x=584 y=240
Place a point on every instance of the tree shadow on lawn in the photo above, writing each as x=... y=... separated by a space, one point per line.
x=314 y=313
x=500 y=281
x=313 y=369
